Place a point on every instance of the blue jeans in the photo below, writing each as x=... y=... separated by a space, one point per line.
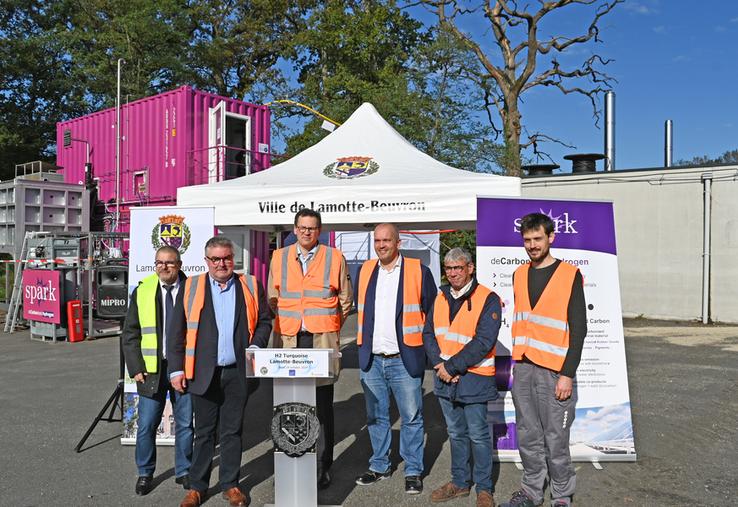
x=150 y=411
x=384 y=376
x=468 y=433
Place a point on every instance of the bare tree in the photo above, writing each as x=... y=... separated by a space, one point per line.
x=518 y=71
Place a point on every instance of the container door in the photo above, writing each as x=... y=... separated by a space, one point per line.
x=216 y=143
x=238 y=145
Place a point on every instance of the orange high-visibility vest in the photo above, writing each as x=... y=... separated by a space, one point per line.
x=542 y=333
x=311 y=298
x=452 y=336
x=412 y=315
x=194 y=300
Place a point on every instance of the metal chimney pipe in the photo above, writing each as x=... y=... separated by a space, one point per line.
x=610 y=131
x=706 y=245
x=668 y=143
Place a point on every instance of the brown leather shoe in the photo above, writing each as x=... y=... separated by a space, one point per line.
x=193 y=498
x=447 y=492
x=235 y=497
x=485 y=499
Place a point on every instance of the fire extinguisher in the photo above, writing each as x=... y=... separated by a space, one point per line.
x=75 y=327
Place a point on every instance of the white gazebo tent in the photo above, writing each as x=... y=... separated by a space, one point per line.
x=361 y=174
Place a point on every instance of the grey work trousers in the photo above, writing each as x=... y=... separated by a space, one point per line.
x=543 y=425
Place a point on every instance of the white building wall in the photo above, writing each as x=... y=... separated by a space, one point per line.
x=659 y=224
x=724 y=272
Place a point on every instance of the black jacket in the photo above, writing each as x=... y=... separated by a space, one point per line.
x=206 y=350
x=131 y=341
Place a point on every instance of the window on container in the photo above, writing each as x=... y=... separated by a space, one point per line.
x=237 y=141
x=140 y=182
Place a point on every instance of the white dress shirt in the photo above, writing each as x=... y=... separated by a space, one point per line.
x=462 y=291
x=175 y=290
x=385 y=308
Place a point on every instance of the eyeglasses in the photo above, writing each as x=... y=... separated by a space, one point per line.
x=217 y=260
x=454 y=269
x=169 y=264
x=306 y=230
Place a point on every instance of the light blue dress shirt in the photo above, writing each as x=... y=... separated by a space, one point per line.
x=224 y=305
x=304 y=259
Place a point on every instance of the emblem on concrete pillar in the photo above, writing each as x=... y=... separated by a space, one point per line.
x=295 y=428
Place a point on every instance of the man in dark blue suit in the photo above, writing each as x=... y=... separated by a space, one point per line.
x=393 y=295
x=221 y=314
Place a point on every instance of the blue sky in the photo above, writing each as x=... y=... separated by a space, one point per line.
x=673 y=59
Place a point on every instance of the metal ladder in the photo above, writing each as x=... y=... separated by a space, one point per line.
x=15 y=299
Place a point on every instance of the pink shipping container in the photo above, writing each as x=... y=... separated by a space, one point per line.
x=175 y=139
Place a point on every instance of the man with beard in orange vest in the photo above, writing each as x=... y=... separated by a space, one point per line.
x=310 y=293
x=549 y=326
x=221 y=314
x=460 y=336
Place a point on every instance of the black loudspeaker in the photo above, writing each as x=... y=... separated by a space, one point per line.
x=112 y=290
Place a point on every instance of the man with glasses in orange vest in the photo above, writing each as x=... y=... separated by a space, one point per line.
x=460 y=336
x=393 y=295
x=311 y=296
x=145 y=330
x=548 y=330
x=220 y=315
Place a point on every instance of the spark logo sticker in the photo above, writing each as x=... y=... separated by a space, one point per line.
x=41 y=291
x=563 y=222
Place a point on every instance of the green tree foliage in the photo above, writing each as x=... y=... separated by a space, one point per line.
x=372 y=51
x=150 y=36
x=453 y=129
x=459 y=239
x=729 y=157
x=235 y=45
x=354 y=52
x=58 y=58
x=36 y=87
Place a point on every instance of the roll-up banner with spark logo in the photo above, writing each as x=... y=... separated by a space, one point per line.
x=585 y=237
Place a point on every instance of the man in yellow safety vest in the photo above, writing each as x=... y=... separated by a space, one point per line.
x=144 y=348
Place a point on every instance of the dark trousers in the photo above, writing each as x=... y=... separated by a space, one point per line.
x=324 y=411
x=219 y=409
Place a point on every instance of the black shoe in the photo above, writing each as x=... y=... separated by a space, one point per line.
x=370 y=477
x=413 y=485
x=324 y=479
x=184 y=480
x=520 y=499
x=144 y=485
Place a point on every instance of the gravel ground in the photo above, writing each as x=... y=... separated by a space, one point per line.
x=682 y=377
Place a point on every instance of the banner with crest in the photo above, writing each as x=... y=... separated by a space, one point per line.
x=187 y=230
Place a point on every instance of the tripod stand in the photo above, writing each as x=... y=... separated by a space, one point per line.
x=115 y=400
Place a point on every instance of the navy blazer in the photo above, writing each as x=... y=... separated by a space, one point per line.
x=206 y=349
x=412 y=357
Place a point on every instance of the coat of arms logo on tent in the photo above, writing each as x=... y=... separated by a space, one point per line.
x=351 y=167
